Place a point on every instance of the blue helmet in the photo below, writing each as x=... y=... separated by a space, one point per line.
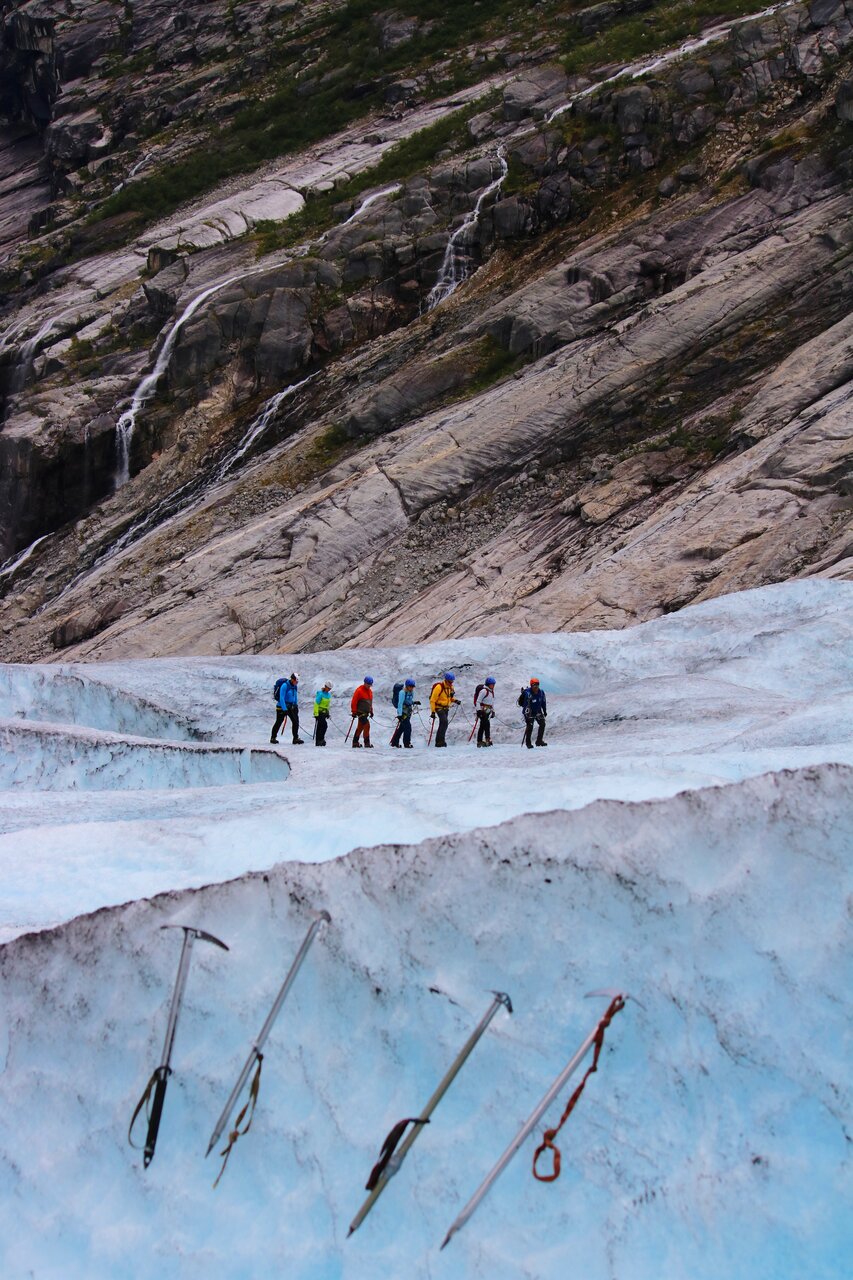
x=368 y=679
x=448 y=675
x=410 y=684
x=490 y=680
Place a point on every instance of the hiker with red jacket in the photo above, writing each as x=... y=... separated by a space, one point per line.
x=362 y=708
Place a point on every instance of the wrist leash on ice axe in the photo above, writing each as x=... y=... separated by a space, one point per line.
x=547 y=1143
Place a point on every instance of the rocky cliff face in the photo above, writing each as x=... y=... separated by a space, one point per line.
x=549 y=350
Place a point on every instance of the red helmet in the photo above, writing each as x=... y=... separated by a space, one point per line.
x=534 y=680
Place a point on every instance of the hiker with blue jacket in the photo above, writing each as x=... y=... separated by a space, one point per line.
x=535 y=709
x=287 y=707
x=404 y=703
x=322 y=706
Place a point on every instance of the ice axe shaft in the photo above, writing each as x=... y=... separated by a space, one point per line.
x=501 y=1000
x=157 y=1083
x=255 y=1052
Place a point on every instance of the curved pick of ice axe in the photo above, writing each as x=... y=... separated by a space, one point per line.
x=157 y=1084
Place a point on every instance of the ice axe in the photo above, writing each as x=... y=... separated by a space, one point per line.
x=159 y=1079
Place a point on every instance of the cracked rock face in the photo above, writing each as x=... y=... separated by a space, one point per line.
x=638 y=397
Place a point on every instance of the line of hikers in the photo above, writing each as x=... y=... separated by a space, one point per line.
x=442 y=698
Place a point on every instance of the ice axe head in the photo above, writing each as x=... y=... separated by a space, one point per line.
x=503 y=998
x=197 y=933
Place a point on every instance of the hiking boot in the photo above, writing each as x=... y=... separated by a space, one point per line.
x=297 y=742
x=529 y=744
x=407 y=745
x=369 y=744
x=274 y=742
x=356 y=744
x=541 y=744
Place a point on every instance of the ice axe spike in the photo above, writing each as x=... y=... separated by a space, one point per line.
x=159 y=1079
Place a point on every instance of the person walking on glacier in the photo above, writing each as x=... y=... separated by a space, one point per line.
x=404 y=704
x=322 y=706
x=441 y=700
x=287 y=706
x=362 y=709
x=535 y=709
x=484 y=705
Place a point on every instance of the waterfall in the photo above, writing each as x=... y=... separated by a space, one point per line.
x=28 y=350
x=637 y=70
x=258 y=426
x=7 y=569
x=454 y=268
x=133 y=172
x=146 y=388
x=365 y=204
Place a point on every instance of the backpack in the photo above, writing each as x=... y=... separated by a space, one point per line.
x=396 y=694
x=521 y=698
x=276 y=689
x=477 y=692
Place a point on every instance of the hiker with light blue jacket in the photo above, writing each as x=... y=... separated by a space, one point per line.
x=404 y=704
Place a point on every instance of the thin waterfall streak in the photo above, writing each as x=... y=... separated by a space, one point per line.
x=258 y=426
x=637 y=70
x=453 y=269
x=365 y=204
x=145 y=390
x=132 y=174
x=15 y=562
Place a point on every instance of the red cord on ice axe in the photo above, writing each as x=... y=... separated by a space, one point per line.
x=549 y=1135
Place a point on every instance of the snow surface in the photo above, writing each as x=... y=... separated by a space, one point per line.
x=714 y=1140
x=717 y=693
x=711 y=1143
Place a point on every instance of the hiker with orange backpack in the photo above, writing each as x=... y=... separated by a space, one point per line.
x=484 y=706
x=441 y=700
x=362 y=709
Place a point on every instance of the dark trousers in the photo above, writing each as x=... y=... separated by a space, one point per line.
x=441 y=716
x=484 y=729
x=362 y=729
x=528 y=733
x=320 y=729
x=404 y=730
x=280 y=717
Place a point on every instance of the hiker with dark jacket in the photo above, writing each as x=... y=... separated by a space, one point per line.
x=484 y=705
x=287 y=707
x=534 y=709
x=322 y=706
x=404 y=705
x=441 y=700
x=362 y=707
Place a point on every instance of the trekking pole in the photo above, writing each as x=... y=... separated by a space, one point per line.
x=389 y=1163
x=431 y=727
x=159 y=1079
x=255 y=1054
x=349 y=730
x=473 y=729
x=595 y=1037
